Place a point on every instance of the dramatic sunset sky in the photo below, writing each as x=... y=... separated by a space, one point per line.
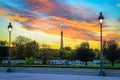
x=42 y=20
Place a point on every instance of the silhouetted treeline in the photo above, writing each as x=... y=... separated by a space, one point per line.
x=4 y=51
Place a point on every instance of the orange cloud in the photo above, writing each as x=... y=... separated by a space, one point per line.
x=72 y=29
x=43 y=25
x=75 y=24
x=17 y=17
x=12 y=17
x=42 y=5
x=1 y=10
x=112 y=36
x=118 y=5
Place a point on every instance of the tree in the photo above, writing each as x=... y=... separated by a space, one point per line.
x=84 y=45
x=66 y=54
x=47 y=54
x=3 y=43
x=4 y=51
x=43 y=45
x=18 y=50
x=97 y=53
x=67 y=48
x=73 y=56
x=119 y=54
x=111 y=51
x=84 y=54
x=24 y=47
x=31 y=49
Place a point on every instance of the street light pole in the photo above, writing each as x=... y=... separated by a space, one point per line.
x=9 y=57
x=101 y=73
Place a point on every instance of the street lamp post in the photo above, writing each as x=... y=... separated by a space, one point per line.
x=9 y=57
x=101 y=73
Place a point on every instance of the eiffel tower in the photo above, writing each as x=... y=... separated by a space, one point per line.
x=61 y=43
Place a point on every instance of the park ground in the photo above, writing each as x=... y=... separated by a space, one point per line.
x=46 y=73
x=39 y=76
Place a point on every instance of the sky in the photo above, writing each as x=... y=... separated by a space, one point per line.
x=43 y=20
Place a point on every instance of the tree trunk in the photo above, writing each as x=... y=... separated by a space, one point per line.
x=112 y=63
x=86 y=63
x=44 y=61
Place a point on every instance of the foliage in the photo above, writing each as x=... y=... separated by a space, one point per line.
x=0 y=59
x=84 y=54
x=84 y=45
x=111 y=50
x=97 y=54
x=31 y=49
x=4 y=51
x=68 y=48
x=43 y=45
x=73 y=56
x=65 y=54
x=24 y=47
x=3 y=43
x=29 y=61
x=47 y=54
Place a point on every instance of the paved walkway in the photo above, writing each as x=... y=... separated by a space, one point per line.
x=37 y=76
x=71 y=71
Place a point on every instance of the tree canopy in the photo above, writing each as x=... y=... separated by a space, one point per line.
x=111 y=50
x=3 y=43
x=24 y=47
x=83 y=53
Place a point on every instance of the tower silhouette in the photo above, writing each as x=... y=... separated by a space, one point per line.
x=61 y=43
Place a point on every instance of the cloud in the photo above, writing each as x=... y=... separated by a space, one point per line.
x=52 y=16
x=61 y=9
x=13 y=17
x=72 y=19
x=118 y=5
x=73 y=13
x=76 y=24
x=42 y=5
x=119 y=19
x=48 y=8
x=79 y=30
x=112 y=36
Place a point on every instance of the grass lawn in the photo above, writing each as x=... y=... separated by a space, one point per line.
x=107 y=66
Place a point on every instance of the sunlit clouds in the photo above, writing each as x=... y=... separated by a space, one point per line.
x=46 y=18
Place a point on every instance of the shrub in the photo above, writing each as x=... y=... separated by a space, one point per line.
x=29 y=61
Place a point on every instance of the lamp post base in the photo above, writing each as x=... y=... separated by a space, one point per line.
x=9 y=65
x=102 y=73
x=9 y=70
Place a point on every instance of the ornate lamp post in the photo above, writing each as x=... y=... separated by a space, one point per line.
x=9 y=57
x=101 y=73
